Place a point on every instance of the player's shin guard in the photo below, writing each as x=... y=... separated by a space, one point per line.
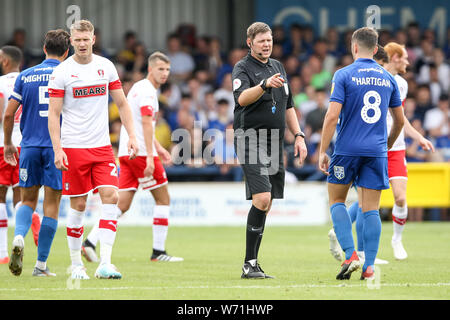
x=372 y=232
x=160 y=226
x=46 y=235
x=23 y=220
x=75 y=235
x=107 y=231
x=399 y=216
x=3 y=231
x=360 y=229
x=343 y=228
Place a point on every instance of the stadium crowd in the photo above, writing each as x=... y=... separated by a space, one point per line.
x=199 y=94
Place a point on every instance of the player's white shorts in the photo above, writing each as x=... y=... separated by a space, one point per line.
x=131 y=175
x=89 y=169
x=397 y=165
x=9 y=175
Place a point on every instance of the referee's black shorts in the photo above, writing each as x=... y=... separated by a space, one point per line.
x=262 y=164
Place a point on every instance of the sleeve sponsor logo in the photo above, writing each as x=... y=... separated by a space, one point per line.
x=89 y=91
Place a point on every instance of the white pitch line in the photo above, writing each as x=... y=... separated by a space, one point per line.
x=439 y=284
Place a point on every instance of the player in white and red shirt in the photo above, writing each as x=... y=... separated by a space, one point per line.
x=79 y=89
x=398 y=61
x=10 y=60
x=146 y=171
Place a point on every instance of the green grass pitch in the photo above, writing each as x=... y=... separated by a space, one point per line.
x=297 y=256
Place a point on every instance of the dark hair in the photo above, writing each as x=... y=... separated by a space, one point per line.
x=57 y=42
x=381 y=55
x=222 y=101
x=14 y=54
x=443 y=97
x=366 y=37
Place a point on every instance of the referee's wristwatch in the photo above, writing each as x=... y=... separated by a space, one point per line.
x=299 y=134
x=263 y=85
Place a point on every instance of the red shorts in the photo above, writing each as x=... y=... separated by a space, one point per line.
x=397 y=165
x=131 y=175
x=89 y=169
x=9 y=175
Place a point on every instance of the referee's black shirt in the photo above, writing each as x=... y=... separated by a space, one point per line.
x=269 y=111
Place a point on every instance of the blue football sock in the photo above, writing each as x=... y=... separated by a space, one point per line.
x=343 y=228
x=46 y=235
x=23 y=220
x=360 y=230
x=372 y=232
x=353 y=211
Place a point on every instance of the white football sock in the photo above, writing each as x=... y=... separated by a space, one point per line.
x=160 y=226
x=75 y=235
x=399 y=215
x=3 y=231
x=107 y=231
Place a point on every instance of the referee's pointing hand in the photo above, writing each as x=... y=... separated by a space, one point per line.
x=275 y=81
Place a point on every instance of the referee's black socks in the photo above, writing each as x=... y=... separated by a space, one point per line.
x=255 y=227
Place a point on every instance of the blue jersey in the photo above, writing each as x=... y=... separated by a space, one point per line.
x=366 y=91
x=31 y=90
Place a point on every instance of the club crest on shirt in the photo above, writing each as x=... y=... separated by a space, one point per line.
x=23 y=173
x=101 y=73
x=339 y=172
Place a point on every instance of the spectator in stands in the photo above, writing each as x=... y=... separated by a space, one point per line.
x=424 y=57
x=294 y=46
x=423 y=98
x=321 y=78
x=225 y=156
x=181 y=63
x=19 y=40
x=162 y=129
x=126 y=56
x=321 y=51
x=334 y=46
x=140 y=63
x=436 y=121
x=202 y=53
x=291 y=65
x=413 y=43
x=314 y=119
x=98 y=46
x=226 y=92
x=234 y=56
x=223 y=118
x=217 y=57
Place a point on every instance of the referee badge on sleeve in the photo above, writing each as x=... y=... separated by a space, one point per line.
x=339 y=172
x=236 y=84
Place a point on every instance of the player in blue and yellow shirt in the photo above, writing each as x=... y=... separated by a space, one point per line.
x=362 y=93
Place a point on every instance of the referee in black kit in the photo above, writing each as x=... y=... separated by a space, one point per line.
x=263 y=107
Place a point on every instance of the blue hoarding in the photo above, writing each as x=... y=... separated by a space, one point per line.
x=346 y=14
